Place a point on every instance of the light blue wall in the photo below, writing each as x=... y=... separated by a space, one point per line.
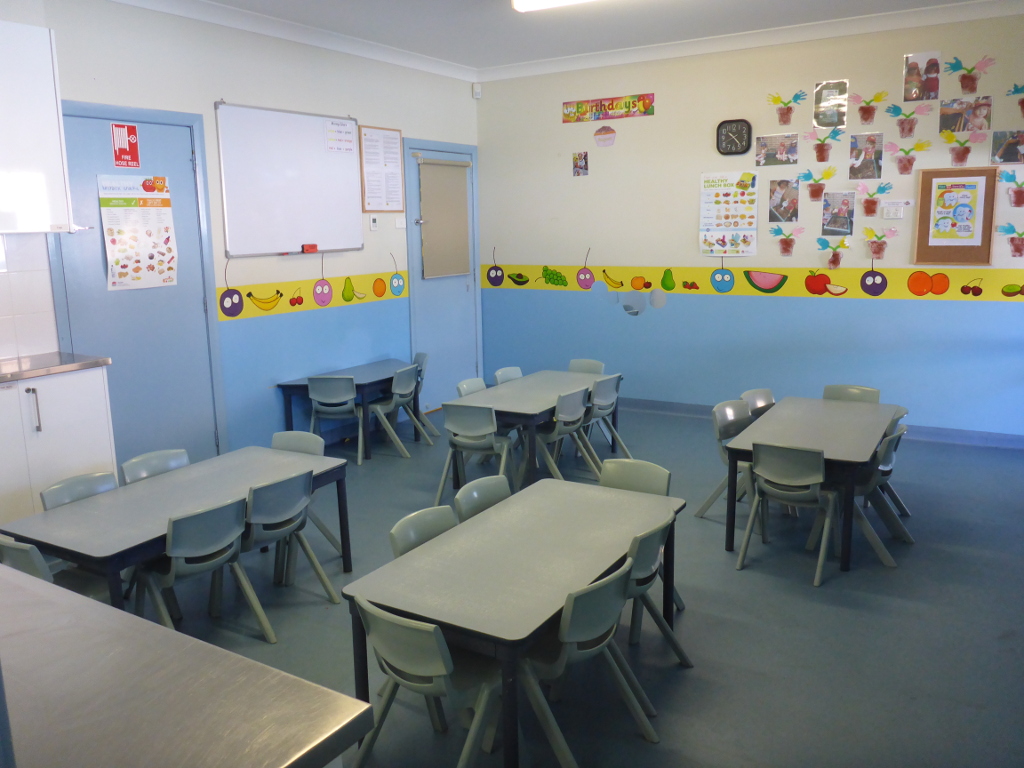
x=258 y=353
x=956 y=366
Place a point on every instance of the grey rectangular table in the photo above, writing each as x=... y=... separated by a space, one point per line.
x=846 y=432
x=496 y=580
x=128 y=525
x=372 y=380
x=94 y=687
x=529 y=401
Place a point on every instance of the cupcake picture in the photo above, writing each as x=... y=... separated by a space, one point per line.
x=604 y=136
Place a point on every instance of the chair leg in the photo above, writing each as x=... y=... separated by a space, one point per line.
x=676 y=597
x=436 y=712
x=171 y=600
x=636 y=621
x=383 y=421
x=754 y=513
x=360 y=437
x=823 y=552
x=140 y=594
x=328 y=534
x=444 y=476
x=416 y=423
x=712 y=498
x=615 y=435
x=290 y=561
x=631 y=703
x=531 y=685
x=666 y=630
x=586 y=456
x=428 y=424
x=552 y=467
x=163 y=615
x=280 y=553
x=390 y=690
x=254 y=602
x=889 y=517
x=872 y=537
x=481 y=719
x=813 y=538
x=896 y=500
x=216 y=591
x=317 y=568
x=585 y=439
x=634 y=684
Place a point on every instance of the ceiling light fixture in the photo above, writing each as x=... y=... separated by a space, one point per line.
x=523 y=6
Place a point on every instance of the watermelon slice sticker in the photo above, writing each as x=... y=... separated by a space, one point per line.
x=765 y=282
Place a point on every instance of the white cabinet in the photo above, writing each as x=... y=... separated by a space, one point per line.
x=34 y=191
x=54 y=426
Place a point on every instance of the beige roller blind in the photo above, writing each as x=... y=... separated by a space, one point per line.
x=444 y=215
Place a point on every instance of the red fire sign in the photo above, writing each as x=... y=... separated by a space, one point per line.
x=125 y=140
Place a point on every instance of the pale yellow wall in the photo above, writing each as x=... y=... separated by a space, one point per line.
x=640 y=203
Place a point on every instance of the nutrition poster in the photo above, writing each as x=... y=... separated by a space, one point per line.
x=138 y=232
x=728 y=214
x=954 y=218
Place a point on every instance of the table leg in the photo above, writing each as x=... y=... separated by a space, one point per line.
x=615 y=425
x=346 y=543
x=531 y=455
x=289 y=422
x=416 y=410
x=360 y=668
x=510 y=704
x=668 y=576
x=730 y=506
x=114 y=586
x=849 y=485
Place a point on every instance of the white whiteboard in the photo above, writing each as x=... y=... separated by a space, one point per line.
x=288 y=179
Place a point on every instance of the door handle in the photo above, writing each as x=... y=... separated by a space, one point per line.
x=39 y=416
x=417 y=222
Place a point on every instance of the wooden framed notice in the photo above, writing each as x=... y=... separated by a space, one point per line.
x=382 y=174
x=954 y=221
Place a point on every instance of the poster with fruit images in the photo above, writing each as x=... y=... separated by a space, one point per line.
x=955 y=211
x=138 y=232
x=728 y=214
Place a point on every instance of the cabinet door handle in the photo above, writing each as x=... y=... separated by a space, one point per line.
x=39 y=416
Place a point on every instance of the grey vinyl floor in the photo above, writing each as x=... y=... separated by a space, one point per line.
x=920 y=665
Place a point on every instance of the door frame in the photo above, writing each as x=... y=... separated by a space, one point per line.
x=194 y=124
x=412 y=211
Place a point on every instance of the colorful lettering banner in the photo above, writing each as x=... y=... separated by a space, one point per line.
x=608 y=109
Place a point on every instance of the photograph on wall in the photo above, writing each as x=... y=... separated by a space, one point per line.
x=971 y=114
x=138 y=232
x=728 y=214
x=778 y=149
x=837 y=213
x=784 y=200
x=955 y=213
x=921 y=76
x=866 y=156
x=1007 y=147
x=830 y=100
x=580 y=164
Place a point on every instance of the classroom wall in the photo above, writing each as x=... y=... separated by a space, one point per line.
x=953 y=360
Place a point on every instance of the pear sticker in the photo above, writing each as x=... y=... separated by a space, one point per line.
x=667 y=281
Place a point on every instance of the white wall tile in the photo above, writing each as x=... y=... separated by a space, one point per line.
x=37 y=333
x=8 y=338
x=26 y=253
x=6 y=306
x=30 y=292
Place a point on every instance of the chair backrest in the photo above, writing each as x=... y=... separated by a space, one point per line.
x=885 y=456
x=571 y=406
x=787 y=474
x=469 y=386
x=507 y=374
x=728 y=419
x=154 y=463
x=582 y=365
x=635 y=475
x=77 y=487
x=897 y=417
x=403 y=385
x=280 y=500
x=419 y=527
x=759 y=400
x=412 y=653
x=420 y=361
x=851 y=392
x=298 y=442
x=473 y=498
x=645 y=552
x=202 y=541
x=332 y=390
x=605 y=392
x=469 y=420
x=23 y=557
x=591 y=611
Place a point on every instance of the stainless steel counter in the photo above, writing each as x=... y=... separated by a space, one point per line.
x=17 y=368
x=94 y=687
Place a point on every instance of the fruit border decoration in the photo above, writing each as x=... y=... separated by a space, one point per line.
x=628 y=285
x=263 y=299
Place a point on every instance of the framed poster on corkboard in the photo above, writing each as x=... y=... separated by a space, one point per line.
x=954 y=221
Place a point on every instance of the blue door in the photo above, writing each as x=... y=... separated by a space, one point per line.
x=161 y=380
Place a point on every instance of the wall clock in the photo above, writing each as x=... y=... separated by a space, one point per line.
x=733 y=137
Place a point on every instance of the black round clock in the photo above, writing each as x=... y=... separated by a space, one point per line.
x=733 y=137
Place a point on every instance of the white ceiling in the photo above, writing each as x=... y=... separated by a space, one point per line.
x=481 y=40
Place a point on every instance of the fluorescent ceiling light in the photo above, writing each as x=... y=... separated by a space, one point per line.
x=539 y=5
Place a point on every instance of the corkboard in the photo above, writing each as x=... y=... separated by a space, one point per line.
x=955 y=254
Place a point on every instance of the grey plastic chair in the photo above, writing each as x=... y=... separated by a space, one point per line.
x=197 y=543
x=587 y=627
x=334 y=397
x=473 y=429
x=759 y=400
x=570 y=410
x=420 y=361
x=24 y=557
x=582 y=365
x=469 y=386
x=604 y=395
x=416 y=528
x=78 y=487
x=851 y=392
x=415 y=656
x=307 y=442
x=728 y=419
x=507 y=374
x=790 y=476
x=154 y=463
x=483 y=493
x=403 y=391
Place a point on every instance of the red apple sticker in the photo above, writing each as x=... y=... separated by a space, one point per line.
x=816 y=283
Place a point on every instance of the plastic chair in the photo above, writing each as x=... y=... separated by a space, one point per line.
x=642 y=477
x=851 y=392
x=760 y=401
x=307 y=442
x=483 y=493
x=790 y=476
x=416 y=528
x=507 y=374
x=197 y=543
x=77 y=487
x=582 y=365
x=886 y=486
x=473 y=429
x=604 y=395
x=415 y=656
x=570 y=410
x=276 y=513
x=25 y=558
x=154 y=463
x=403 y=390
x=334 y=397
x=469 y=386
x=728 y=419
x=420 y=361
x=589 y=620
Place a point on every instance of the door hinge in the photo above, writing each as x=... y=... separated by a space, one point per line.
x=193 y=162
x=216 y=439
